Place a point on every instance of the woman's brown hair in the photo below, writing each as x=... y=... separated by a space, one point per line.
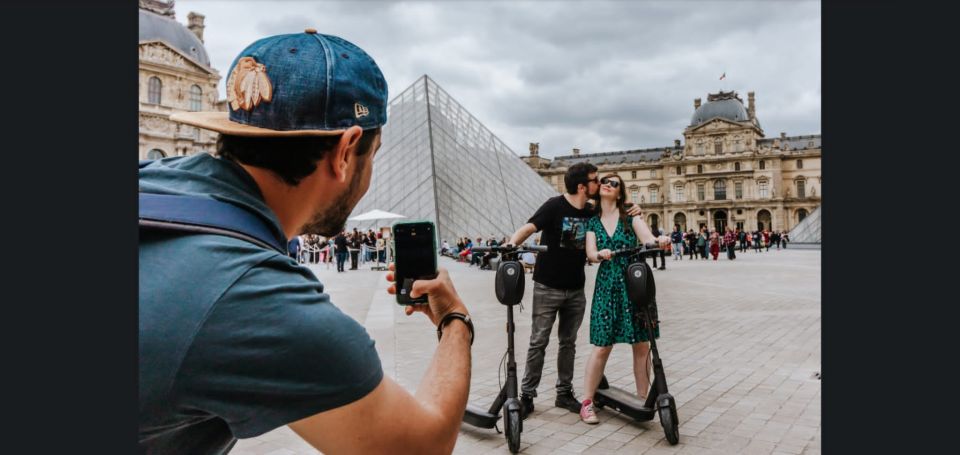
x=621 y=199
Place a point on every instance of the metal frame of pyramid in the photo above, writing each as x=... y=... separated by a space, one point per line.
x=439 y=163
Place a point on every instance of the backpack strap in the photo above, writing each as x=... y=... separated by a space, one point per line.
x=200 y=215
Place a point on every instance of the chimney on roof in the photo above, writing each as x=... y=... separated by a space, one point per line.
x=696 y=103
x=751 y=106
x=576 y=152
x=195 y=24
x=783 y=135
x=676 y=143
x=534 y=148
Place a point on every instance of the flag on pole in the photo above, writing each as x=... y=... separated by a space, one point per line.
x=723 y=76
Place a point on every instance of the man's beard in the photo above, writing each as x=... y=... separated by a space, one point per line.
x=333 y=221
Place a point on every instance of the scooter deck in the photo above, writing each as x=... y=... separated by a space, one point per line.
x=624 y=402
x=479 y=417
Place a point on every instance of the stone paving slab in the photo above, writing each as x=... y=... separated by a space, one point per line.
x=740 y=342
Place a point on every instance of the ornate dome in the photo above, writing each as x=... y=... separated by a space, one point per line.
x=156 y=27
x=726 y=105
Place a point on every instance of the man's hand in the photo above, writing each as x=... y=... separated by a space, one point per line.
x=441 y=295
x=634 y=210
x=605 y=254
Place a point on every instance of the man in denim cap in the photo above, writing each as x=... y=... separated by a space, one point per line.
x=237 y=339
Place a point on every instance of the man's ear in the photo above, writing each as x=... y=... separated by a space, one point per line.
x=344 y=152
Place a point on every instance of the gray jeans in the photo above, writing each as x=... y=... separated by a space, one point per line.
x=548 y=304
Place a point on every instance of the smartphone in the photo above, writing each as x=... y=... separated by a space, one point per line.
x=415 y=257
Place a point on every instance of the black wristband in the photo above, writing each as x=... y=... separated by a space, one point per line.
x=466 y=320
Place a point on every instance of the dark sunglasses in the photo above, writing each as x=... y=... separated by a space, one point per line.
x=611 y=182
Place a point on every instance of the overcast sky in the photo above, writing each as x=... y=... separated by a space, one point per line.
x=599 y=76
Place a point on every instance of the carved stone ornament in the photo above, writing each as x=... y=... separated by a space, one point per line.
x=678 y=156
x=159 y=53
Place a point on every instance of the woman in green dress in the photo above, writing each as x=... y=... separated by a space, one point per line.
x=613 y=318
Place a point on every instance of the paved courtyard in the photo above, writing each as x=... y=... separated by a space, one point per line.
x=740 y=342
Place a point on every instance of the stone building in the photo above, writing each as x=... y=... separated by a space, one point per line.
x=726 y=172
x=175 y=75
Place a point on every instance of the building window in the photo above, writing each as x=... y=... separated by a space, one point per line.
x=738 y=190
x=799 y=164
x=762 y=189
x=717 y=146
x=719 y=190
x=678 y=193
x=633 y=174
x=700 y=147
x=736 y=166
x=155 y=154
x=699 y=169
x=763 y=164
x=654 y=192
x=653 y=173
x=701 y=193
x=195 y=98
x=153 y=90
x=801 y=191
x=635 y=196
x=678 y=170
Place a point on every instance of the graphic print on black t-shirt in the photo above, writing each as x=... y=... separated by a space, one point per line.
x=573 y=233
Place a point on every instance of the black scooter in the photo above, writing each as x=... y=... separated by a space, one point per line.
x=642 y=291
x=508 y=283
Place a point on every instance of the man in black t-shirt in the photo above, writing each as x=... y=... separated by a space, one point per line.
x=558 y=281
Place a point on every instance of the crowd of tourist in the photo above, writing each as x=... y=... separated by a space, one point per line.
x=355 y=246
x=709 y=243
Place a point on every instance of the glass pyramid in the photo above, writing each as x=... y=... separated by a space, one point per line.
x=439 y=163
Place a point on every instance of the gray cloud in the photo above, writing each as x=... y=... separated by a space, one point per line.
x=596 y=75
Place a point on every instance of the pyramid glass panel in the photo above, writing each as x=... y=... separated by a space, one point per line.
x=439 y=163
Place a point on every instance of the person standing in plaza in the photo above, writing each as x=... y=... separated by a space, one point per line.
x=756 y=241
x=677 y=239
x=702 y=239
x=691 y=244
x=766 y=238
x=714 y=244
x=613 y=318
x=340 y=243
x=729 y=241
x=558 y=282
x=238 y=339
x=742 y=237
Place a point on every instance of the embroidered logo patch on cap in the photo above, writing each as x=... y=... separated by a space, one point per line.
x=360 y=110
x=248 y=85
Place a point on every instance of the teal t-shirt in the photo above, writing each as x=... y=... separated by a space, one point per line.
x=234 y=340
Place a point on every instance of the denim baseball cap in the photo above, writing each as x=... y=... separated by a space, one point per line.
x=302 y=84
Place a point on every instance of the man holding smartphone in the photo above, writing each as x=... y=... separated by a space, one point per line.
x=237 y=339
x=558 y=276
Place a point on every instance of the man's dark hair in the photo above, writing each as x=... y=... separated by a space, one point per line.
x=289 y=158
x=576 y=175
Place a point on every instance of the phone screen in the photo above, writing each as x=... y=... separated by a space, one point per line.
x=414 y=258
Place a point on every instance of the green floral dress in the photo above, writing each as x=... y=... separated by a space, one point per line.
x=612 y=316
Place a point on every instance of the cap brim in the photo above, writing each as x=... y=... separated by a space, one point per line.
x=220 y=122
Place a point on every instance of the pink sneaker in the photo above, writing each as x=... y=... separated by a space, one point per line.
x=587 y=414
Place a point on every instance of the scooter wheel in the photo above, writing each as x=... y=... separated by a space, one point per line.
x=512 y=427
x=668 y=419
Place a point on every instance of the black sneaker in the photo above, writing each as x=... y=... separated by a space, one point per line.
x=526 y=406
x=568 y=402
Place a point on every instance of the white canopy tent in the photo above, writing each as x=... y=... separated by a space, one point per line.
x=375 y=215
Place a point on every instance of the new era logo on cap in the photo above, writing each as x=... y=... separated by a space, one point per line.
x=360 y=110
x=302 y=84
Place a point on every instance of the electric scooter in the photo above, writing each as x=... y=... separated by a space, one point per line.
x=508 y=285
x=641 y=290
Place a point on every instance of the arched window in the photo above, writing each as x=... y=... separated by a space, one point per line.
x=736 y=166
x=763 y=164
x=719 y=190
x=717 y=146
x=799 y=164
x=195 y=98
x=154 y=87
x=155 y=154
x=801 y=214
